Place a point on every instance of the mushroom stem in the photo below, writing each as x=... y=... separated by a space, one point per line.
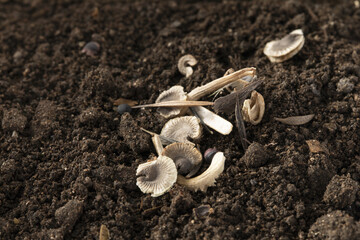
x=207 y=178
x=163 y=139
x=201 y=91
x=157 y=144
x=213 y=120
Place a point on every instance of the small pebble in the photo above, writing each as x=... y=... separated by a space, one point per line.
x=209 y=154
x=203 y=211
x=13 y=120
x=344 y=85
x=91 y=49
x=341 y=191
x=122 y=108
x=68 y=214
x=335 y=225
x=255 y=156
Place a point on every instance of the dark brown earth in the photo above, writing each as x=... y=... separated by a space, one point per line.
x=68 y=160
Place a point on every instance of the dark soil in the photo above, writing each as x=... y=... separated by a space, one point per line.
x=68 y=159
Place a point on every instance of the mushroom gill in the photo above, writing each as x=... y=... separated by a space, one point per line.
x=175 y=93
x=186 y=157
x=156 y=177
x=182 y=128
x=285 y=48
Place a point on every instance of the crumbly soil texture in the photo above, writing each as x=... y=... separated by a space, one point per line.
x=68 y=159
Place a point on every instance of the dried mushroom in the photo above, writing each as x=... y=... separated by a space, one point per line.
x=182 y=128
x=157 y=176
x=213 y=120
x=186 y=157
x=185 y=65
x=207 y=178
x=285 y=48
x=175 y=93
x=253 y=109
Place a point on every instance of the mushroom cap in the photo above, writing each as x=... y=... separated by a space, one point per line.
x=175 y=93
x=185 y=156
x=156 y=177
x=181 y=128
x=285 y=48
x=253 y=109
x=183 y=62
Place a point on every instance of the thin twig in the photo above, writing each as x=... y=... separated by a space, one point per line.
x=240 y=123
x=227 y=104
x=176 y=104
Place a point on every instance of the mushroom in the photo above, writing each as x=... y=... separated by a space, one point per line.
x=285 y=48
x=182 y=128
x=175 y=93
x=207 y=178
x=213 y=120
x=157 y=176
x=185 y=65
x=186 y=157
x=254 y=108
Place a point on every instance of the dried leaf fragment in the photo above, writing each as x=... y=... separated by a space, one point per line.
x=227 y=104
x=185 y=65
x=207 y=178
x=216 y=84
x=315 y=146
x=104 y=233
x=124 y=101
x=296 y=120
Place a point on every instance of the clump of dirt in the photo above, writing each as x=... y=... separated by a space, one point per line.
x=68 y=159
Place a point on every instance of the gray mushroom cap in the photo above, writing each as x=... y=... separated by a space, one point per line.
x=185 y=63
x=185 y=156
x=182 y=128
x=285 y=48
x=175 y=93
x=156 y=177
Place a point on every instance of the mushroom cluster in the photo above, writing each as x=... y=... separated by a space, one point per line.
x=179 y=160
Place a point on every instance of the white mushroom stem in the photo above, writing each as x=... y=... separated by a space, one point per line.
x=207 y=178
x=157 y=144
x=211 y=87
x=213 y=120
